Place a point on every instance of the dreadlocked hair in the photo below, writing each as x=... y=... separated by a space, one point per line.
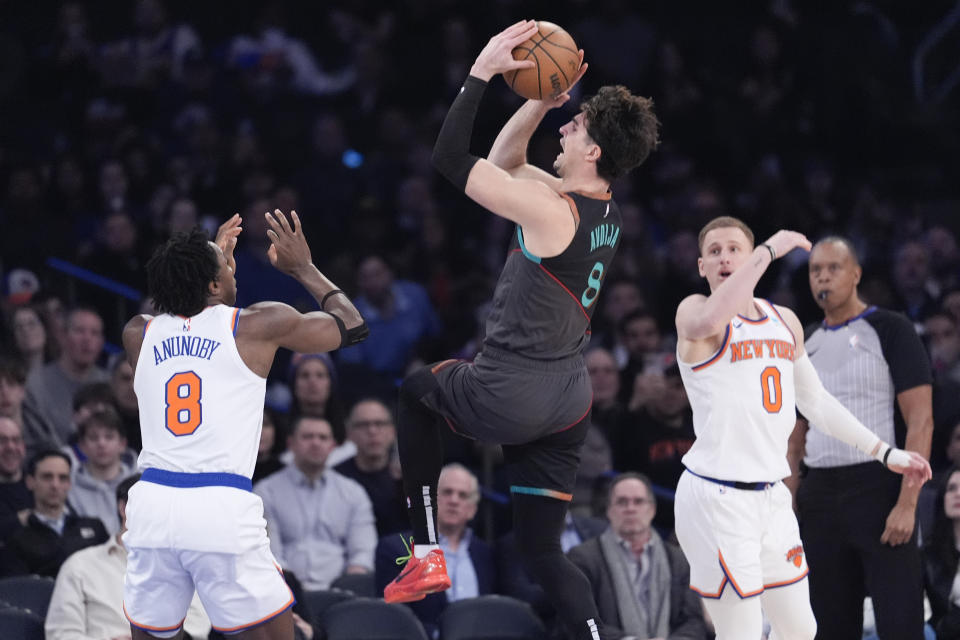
x=179 y=272
x=625 y=127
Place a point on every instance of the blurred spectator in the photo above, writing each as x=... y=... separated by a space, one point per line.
x=596 y=458
x=641 y=584
x=943 y=342
x=121 y=384
x=154 y=54
x=52 y=531
x=15 y=499
x=618 y=298
x=399 y=314
x=49 y=401
x=915 y=290
x=95 y=480
x=87 y=600
x=275 y=60
x=30 y=340
x=659 y=433
x=271 y=445
x=12 y=390
x=370 y=427
x=313 y=377
x=640 y=336
x=470 y=562
x=941 y=559
x=320 y=523
x=621 y=43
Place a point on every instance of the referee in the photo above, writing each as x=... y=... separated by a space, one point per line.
x=857 y=521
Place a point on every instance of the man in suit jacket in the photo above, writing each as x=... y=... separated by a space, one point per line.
x=470 y=562
x=640 y=583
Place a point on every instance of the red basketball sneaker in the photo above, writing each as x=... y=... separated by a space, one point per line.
x=420 y=577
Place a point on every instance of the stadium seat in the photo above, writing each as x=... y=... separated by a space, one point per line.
x=371 y=619
x=361 y=584
x=490 y=617
x=16 y=624
x=31 y=593
x=319 y=601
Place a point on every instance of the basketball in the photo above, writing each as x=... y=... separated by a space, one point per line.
x=557 y=59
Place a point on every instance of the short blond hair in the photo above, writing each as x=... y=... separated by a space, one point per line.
x=720 y=223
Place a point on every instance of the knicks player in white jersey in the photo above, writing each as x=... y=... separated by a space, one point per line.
x=746 y=373
x=200 y=376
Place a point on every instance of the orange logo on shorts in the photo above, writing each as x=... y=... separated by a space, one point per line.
x=795 y=556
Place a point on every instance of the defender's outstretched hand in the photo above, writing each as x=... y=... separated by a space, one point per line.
x=911 y=465
x=288 y=250
x=227 y=239
x=497 y=56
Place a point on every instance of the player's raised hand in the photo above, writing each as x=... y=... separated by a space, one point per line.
x=497 y=56
x=227 y=238
x=562 y=99
x=784 y=241
x=911 y=465
x=288 y=250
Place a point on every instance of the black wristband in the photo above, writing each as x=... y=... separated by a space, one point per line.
x=323 y=301
x=451 y=153
x=887 y=455
x=773 y=254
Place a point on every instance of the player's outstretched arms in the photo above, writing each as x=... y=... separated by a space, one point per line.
x=826 y=413
x=337 y=324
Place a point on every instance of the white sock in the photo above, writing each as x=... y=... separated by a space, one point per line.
x=421 y=550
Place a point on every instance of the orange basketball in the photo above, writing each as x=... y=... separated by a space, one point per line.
x=557 y=58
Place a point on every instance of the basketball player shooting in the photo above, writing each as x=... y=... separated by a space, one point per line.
x=528 y=389
x=200 y=378
x=746 y=373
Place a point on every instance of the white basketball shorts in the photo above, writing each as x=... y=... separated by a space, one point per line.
x=202 y=531
x=745 y=538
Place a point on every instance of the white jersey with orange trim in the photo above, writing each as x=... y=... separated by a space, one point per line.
x=201 y=407
x=743 y=401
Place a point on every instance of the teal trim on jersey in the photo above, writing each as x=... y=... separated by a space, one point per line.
x=529 y=256
x=546 y=493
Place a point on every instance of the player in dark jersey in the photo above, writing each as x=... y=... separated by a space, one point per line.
x=528 y=389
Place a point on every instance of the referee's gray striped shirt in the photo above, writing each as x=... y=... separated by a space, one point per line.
x=865 y=363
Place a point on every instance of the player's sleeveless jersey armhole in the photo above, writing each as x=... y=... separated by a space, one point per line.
x=716 y=356
x=777 y=313
x=573 y=209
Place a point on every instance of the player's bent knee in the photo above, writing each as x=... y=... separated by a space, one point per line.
x=418 y=384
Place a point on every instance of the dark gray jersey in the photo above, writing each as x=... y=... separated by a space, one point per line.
x=542 y=306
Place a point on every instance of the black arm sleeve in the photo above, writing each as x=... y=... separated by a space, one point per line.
x=451 y=153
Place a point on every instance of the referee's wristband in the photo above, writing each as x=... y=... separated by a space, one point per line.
x=773 y=253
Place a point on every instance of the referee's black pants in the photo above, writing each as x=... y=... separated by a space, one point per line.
x=843 y=512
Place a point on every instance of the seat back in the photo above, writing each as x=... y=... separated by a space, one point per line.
x=361 y=584
x=31 y=593
x=16 y=624
x=490 y=617
x=371 y=619
x=319 y=601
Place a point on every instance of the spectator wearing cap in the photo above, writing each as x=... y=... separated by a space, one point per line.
x=52 y=531
x=93 y=491
x=313 y=377
x=48 y=420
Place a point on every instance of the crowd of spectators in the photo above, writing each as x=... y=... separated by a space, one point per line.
x=130 y=121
